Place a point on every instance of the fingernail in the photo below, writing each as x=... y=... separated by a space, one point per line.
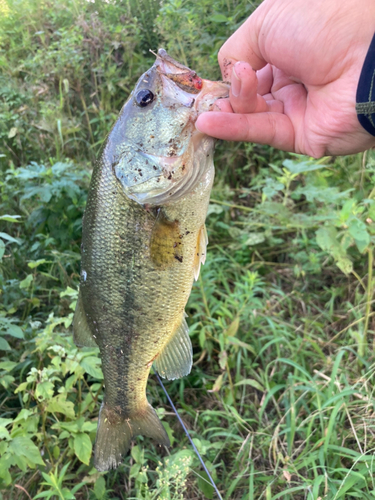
x=236 y=82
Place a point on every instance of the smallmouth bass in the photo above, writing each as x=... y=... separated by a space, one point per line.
x=143 y=242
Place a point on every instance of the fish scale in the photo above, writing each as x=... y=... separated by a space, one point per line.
x=139 y=259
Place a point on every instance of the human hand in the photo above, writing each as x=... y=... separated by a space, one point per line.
x=308 y=57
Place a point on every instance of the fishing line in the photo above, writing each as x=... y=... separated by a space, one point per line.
x=188 y=435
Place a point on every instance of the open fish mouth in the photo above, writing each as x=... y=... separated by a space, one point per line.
x=183 y=76
x=187 y=84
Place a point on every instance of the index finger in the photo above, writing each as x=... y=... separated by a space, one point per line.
x=243 y=46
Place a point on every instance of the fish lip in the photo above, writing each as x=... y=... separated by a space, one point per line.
x=203 y=93
x=170 y=65
x=185 y=78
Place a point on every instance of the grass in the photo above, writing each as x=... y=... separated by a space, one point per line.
x=280 y=399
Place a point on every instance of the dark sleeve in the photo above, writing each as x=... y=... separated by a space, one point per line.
x=365 y=98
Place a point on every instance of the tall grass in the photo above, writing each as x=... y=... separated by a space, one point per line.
x=280 y=399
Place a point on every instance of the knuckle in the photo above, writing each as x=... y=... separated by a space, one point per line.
x=272 y=126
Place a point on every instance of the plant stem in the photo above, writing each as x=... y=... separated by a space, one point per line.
x=369 y=294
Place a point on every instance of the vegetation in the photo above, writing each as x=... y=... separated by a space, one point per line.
x=280 y=399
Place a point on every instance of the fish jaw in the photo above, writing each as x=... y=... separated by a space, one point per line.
x=177 y=77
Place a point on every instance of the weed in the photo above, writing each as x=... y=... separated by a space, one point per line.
x=280 y=399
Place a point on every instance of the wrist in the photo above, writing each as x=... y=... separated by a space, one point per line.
x=365 y=97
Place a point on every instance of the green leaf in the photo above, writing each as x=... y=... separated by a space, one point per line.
x=345 y=264
x=205 y=485
x=24 y=414
x=44 y=390
x=272 y=187
x=236 y=341
x=213 y=208
x=59 y=404
x=137 y=454
x=371 y=212
x=10 y=238
x=89 y=426
x=23 y=446
x=6 y=380
x=14 y=331
x=347 y=210
x=252 y=382
x=233 y=327
x=25 y=284
x=357 y=229
x=219 y=18
x=99 y=488
x=5 y=421
x=4 y=433
x=12 y=132
x=2 y=249
x=169 y=431
x=4 y=346
x=297 y=167
x=35 y=263
x=83 y=447
x=10 y=218
x=7 y=365
x=326 y=238
x=255 y=239
x=70 y=292
x=67 y=494
x=91 y=365
x=4 y=472
x=45 y=494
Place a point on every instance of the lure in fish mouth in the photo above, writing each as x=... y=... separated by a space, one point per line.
x=143 y=241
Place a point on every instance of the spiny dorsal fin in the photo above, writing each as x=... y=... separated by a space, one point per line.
x=201 y=251
x=82 y=335
x=176 y=359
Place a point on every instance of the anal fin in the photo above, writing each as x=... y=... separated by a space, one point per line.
x=115 y=433
x=176 y=359
x=82 y=335
x=201 y=251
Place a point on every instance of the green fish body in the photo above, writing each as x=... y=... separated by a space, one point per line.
x=143 y=241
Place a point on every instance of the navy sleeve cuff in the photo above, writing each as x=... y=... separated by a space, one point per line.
x=365 y=98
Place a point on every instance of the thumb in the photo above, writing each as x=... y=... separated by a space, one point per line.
x=243 y=45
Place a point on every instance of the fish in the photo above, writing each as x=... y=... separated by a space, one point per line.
x=143 y=241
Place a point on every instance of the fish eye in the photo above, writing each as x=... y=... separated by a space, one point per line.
x=144 y=97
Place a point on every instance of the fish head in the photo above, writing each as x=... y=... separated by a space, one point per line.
x=155 y=140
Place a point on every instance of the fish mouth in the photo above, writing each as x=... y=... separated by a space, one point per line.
x=191 y=90
x=184 y=77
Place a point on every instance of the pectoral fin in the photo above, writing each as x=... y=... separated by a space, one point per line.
x=176 y=359
x=82 y=335
x=201 y=250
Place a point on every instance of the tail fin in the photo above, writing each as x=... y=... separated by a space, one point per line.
x=116 y=431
